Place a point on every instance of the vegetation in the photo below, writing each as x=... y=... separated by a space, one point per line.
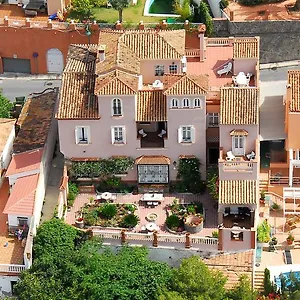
x=275 y=206
x=189 y=176
x=257 y=2
x=269 y=288
x=119 y=5
x=206 y=18
x=290 y=237
x=73 y=192
x=5 y=106
x=183 y=9
x=114 y=184
x=213 y=183
x=264 y=232
x=173 y=222
x=130 y=221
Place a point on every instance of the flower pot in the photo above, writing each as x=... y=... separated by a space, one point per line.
x=289 y=241
x=193 y=224
x=79 y=223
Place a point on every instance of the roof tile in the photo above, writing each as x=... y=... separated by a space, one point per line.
x=153 y=160
x=246 y=47
x=294 y=81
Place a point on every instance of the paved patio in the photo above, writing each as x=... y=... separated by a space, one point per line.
x=210 y=223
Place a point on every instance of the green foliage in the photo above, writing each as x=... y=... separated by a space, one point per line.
x=275 y=206
x=5 y=106
x=206 y=18
x=73 y=193
x=191 y=209
x=264 y=232
x=173 y=222
x=114 y=185
x=213 y=183
x=243 y=290
x=130 y=207
x=119 y=5
x=109 y=210
x=189 y=175
x=102 y=168
x=262 y=194
x=194 y=281
x=268 y=287
x=82 y=9
x=215 y=234
x=130 y=221
x=53 y=236
x=223 y=4
x=90 y=218
x=183 y=9
x=257 y=2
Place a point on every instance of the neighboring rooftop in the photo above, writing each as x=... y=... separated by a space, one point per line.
x=239 y=106
x=238 y=192
x=294 y=81
x=25 y=162
x=246 y=47
x=35 y=121
x=6 y=127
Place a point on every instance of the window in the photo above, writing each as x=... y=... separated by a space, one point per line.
x=213 y=119
x=174 y=103
x=173 y=69
x=185 y=103
x=22 y=221
x=118 y=135
x=117 y=107
x=186 y=134
x=159 y=70
x=82 y=135
x=238 y=145
x=153 y=173
x=197 y=103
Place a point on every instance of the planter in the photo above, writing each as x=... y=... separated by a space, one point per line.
x=262 y=245
x=262 y=202
x=289 y=241
x=151 y=217
x=79 y=223
x=193 y=224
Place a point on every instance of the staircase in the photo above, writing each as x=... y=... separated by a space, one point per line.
x=263 y=181
x=259 y=280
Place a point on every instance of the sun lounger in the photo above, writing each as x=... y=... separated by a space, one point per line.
x=288 y=257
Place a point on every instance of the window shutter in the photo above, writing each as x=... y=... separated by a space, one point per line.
x=207 y=120
x=233 y=144
x=193 y=134
x=112 y=135
x=76 y=135
x=124 y=135
x=180 y=135
x=88 y=134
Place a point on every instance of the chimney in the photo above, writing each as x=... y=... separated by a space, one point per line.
x=101 y=52
x=201 y=31
x=141 y=25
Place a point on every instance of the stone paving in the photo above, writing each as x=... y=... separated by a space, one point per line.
x=210 y=223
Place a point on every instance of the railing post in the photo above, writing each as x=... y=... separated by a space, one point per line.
x=123 y=237
x=155 y=241
x=187 y=241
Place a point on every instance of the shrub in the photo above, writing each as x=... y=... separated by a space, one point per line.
x=191 y=209
x=130 y=221
x=264 y=232
x=130 y=208
x=173 y=222
x=275 y=206
x=223 y=4
x=73 y=192
x=206 y=18
x=109 y=210
x=215 y=234
x=183 y=9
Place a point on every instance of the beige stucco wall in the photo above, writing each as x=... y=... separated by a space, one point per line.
x=229 y=245
x=147 y=69
x=293 y=140
x=55 y=5
x=101 y=146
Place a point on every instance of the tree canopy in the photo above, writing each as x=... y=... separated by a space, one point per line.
x=119 y=5
x=5 y=106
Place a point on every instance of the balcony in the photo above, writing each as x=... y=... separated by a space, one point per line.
x=152 y=140
x=152 y=134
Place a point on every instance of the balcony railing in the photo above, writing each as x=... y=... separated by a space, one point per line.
x=232 y=166
x=15 y=269
x=219 y=41
x=192 y=52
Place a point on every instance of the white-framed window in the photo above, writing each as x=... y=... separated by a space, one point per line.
x=213 y=119
x=82 y=135
x=118 y=135
x=238 y=144
x=173 y=68
x=186 y=134
x=197 y=103
x=186 y=102
x=117 y=107
x=159 y=70
x=174 y=103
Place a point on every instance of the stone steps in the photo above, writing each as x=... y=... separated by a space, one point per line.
x=259 y=280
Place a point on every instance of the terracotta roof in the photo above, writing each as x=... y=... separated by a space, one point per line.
x=238 y=192
x=238 y=132
x=153 y=160
x=21 y=199
x=35 y=121
x=125 y=49
x=6 y=127
x=185 y=84
x=239 y=106
x=25 y=162
x=294 y=81
x=151 y=106
x=246 y=47
x=77 y=99
x=117 y=82
x=232 y=265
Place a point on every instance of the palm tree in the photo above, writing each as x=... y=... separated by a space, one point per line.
x=119 y=5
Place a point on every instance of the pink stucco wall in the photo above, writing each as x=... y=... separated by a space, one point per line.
x=244 y=65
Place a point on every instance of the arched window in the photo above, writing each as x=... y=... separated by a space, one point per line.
x=185 y=103
x=197 y=102
x=174 y=103
x=117 y=107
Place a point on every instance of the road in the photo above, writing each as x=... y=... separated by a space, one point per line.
x=12 y=88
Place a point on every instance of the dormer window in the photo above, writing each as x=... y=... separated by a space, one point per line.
x=186 y=103
x=159 y=70
x=173 y=68
x=116 y=107
x=174 y=103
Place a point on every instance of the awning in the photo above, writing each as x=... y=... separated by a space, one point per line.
x=236 y=132
x=153 y=160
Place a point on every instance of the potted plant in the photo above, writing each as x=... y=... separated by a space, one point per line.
x=79 y=222
x=264 y=233
x=262 y=197
x=193 y=223
x=275 y=206
x=290 y=239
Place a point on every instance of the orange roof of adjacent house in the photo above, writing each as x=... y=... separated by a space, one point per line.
x=238 y=192
x=294 y=81
x=246 y=47
x=21 y=199
x=184 y=84
x=151 y=106
x=239 y=106
x=25 y=162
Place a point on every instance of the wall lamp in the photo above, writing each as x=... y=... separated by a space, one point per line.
x=174 y=164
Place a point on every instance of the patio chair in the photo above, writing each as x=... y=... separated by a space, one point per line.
x=226 y=69
x=142 y=133
x=230 y=156
x=251 y=155
x=155 y=203
x=162 y=133
x=149 y=203
x=288 y=257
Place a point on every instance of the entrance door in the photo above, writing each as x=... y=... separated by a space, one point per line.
x=16 y=65
x=153 y=173
x=213 y=156
x=55 y=61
